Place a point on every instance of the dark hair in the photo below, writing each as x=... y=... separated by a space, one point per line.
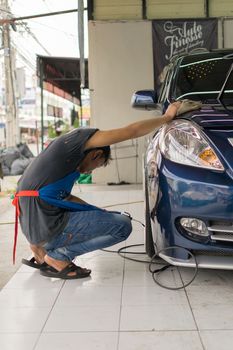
x=106 y=153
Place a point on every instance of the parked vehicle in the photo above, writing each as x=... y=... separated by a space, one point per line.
x=188 y=166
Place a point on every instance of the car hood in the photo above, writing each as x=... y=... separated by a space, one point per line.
x=210 y=118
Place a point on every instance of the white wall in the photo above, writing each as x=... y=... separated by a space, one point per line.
x=120 y=62
x=228 y=32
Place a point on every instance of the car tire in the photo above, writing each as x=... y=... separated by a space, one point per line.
x=149 y=244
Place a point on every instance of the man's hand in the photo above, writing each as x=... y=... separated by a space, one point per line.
x=171 y=111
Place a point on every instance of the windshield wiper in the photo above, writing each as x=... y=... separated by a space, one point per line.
x=228 y=57
x=220 y=95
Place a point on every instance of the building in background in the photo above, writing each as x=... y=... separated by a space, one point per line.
x=61 y=111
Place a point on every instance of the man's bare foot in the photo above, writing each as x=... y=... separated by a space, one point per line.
x=56 y=264
x=38 y=252
x=60 y=265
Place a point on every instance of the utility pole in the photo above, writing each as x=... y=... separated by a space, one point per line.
x=12 y=129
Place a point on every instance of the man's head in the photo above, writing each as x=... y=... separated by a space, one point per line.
x=95 y=158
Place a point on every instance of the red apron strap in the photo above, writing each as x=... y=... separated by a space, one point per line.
x=16 y=229
x=15 y=202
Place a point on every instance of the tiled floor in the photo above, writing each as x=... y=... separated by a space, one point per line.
x=119 y=307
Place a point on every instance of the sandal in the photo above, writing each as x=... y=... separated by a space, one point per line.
x=33 y=263
x=80 y=272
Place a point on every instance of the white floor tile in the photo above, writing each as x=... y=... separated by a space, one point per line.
x=23 y=298
x=137 y=213
x=74 y=341
x=115 y=248
x=84 y=296
x=140 y=277
x=33 y=281
x=83 y=319
x=209 y=277
x=96 y=253
x=119 y=208
x=13 y=341
x=136 y=237
x=135 y=266
x=213 y=316
x=207 y=295
x=24 y=268
x=188 y=340
x=152 y=295
x=156 y=317
x=217 y=340
x=111 y=201
x=103 y=263
x=100 y=278
x=22 y=320
x=226 y=277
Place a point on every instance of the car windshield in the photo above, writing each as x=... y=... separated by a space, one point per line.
x=202 y=79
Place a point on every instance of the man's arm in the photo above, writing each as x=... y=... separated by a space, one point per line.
x=135 y=130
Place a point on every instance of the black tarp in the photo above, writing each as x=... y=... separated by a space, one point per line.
x=14 y=160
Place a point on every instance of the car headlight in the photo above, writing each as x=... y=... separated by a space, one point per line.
x=181 y=142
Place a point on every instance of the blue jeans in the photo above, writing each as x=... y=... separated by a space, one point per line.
x=87 y=231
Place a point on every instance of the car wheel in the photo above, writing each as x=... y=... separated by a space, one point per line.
x=149 y=244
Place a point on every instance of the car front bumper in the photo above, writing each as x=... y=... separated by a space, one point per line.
x=193 y=197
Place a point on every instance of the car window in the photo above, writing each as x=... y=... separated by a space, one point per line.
x=203 y=79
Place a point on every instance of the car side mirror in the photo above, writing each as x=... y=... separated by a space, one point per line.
x=145 y=99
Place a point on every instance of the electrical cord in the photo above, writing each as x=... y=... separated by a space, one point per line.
x=156 y=272
x=120 y=252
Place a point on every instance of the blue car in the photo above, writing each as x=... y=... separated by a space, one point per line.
x=188 y=166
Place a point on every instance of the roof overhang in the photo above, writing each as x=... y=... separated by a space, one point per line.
x=62 y=72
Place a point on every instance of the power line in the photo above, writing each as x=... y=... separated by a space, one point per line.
x=12 y=20
x=28 y=30
x=26 y=53
x=55 y=29
x=20 y=43
x=29 y=61
x=45 y=3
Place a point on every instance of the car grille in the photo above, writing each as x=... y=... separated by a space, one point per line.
x=217 y=252
x=221 y=231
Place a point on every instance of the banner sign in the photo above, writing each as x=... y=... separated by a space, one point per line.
x=175 y=37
